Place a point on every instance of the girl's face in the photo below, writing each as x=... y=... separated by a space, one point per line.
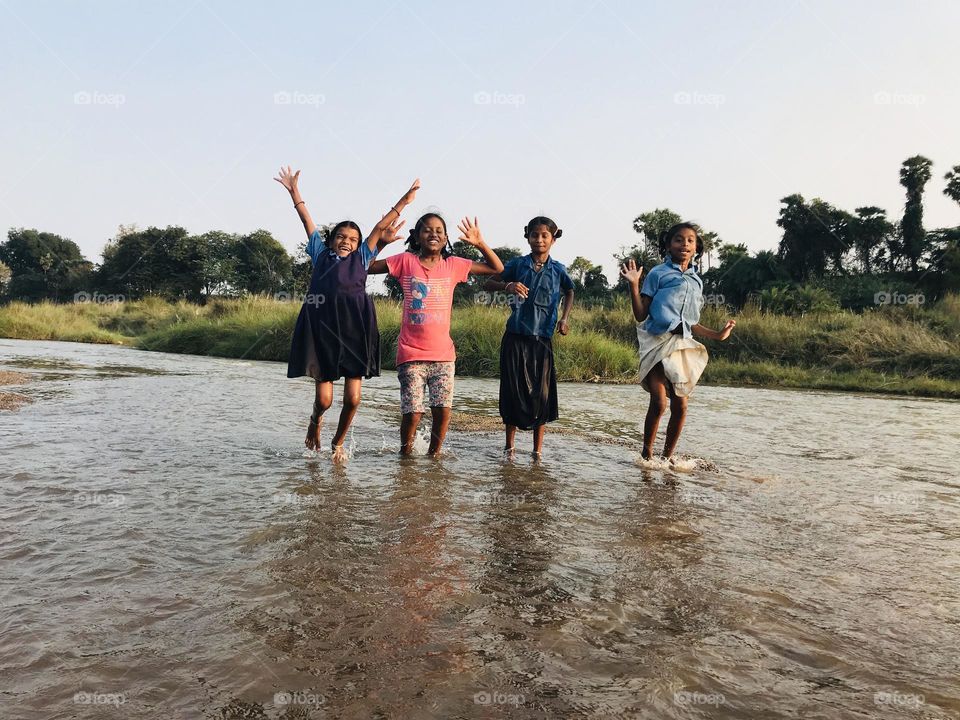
x=540 y=239
x=683 y=246
x=432 y=236
x=346 y=241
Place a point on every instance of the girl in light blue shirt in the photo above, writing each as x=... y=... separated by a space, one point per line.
x=667 y=311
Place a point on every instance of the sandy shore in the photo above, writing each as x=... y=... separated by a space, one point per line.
x=12 y=400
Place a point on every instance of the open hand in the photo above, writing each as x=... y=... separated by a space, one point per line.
x=631 y=273
x=391 y=233
x=287 y=178
x=470 y=232
x=727 y=329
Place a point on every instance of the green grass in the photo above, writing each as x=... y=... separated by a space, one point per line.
x=914 y=350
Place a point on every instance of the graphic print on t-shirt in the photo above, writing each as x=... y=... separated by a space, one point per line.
x=429 y=299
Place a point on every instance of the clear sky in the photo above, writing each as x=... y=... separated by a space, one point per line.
x=591 y=112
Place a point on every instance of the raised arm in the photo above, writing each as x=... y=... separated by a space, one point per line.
x=641 y=303
x=289 y=180
x=390 y=234
x=376 y=240
x=470 y=234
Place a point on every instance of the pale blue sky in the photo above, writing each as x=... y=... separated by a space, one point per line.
x=590 y=112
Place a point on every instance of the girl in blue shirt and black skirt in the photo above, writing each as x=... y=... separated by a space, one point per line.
x=528 y=378
x=667 y=311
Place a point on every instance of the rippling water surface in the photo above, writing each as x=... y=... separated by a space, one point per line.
x=170 y=550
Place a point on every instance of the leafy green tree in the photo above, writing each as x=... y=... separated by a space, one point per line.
x=217 y=263
x=154 y=261
x=263 y=264
x=589 y=282
x=952 y=190
x=914 y=176
x=815 y=235
x=870 y=231
x=5 y=274
x=44 y=265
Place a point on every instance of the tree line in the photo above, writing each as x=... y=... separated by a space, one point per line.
x=826 y=257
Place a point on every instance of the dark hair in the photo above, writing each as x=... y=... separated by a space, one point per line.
x=666 y=237
x=337 y=228
x=413 y=241
x=541 y=220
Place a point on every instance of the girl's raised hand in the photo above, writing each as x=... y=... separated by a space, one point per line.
x=391 y=233
x=631 y=273
x=287 y=178
x=470 y=232
x=727 y=329
x=410 y=194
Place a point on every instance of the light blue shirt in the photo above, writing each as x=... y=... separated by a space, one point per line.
x=677 y=298
x=316 y=246
x=537 y=315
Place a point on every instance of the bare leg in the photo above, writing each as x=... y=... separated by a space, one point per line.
x=321 y=403
x=657 y=382
x=538 y=432
x=408 y=431
x=351 y=401
x=678 y=413
x=438 y=431
x=511 y=436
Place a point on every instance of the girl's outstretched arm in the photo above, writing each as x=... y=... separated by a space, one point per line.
x=470 y=234
x=706 y=332
x=377 y=267
x=641 y=303
x=377 y=240
x=289 y=180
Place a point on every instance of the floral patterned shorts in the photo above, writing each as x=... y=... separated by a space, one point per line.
x=415 y=377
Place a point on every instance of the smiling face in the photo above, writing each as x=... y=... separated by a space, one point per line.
x=433 y=236
x=345 y=241
x=540 y=239
x=683 y=246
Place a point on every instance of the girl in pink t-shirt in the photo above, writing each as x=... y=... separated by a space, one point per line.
x=428 y=272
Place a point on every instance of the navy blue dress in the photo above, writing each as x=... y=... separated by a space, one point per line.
x=336 y=333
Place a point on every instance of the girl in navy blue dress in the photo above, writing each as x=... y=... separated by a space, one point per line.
x=336 y=334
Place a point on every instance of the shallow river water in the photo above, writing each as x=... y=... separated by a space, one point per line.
x=169 y=549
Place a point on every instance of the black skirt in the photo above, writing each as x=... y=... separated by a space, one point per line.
x=528 y=381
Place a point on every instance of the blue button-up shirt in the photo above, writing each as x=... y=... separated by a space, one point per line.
x=677 y=298
x=537 y=315
x=316 y=246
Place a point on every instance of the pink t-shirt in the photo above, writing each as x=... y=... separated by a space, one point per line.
x=427 y=305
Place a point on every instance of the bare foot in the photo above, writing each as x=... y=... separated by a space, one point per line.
x=313 y=433
x=338 y=455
